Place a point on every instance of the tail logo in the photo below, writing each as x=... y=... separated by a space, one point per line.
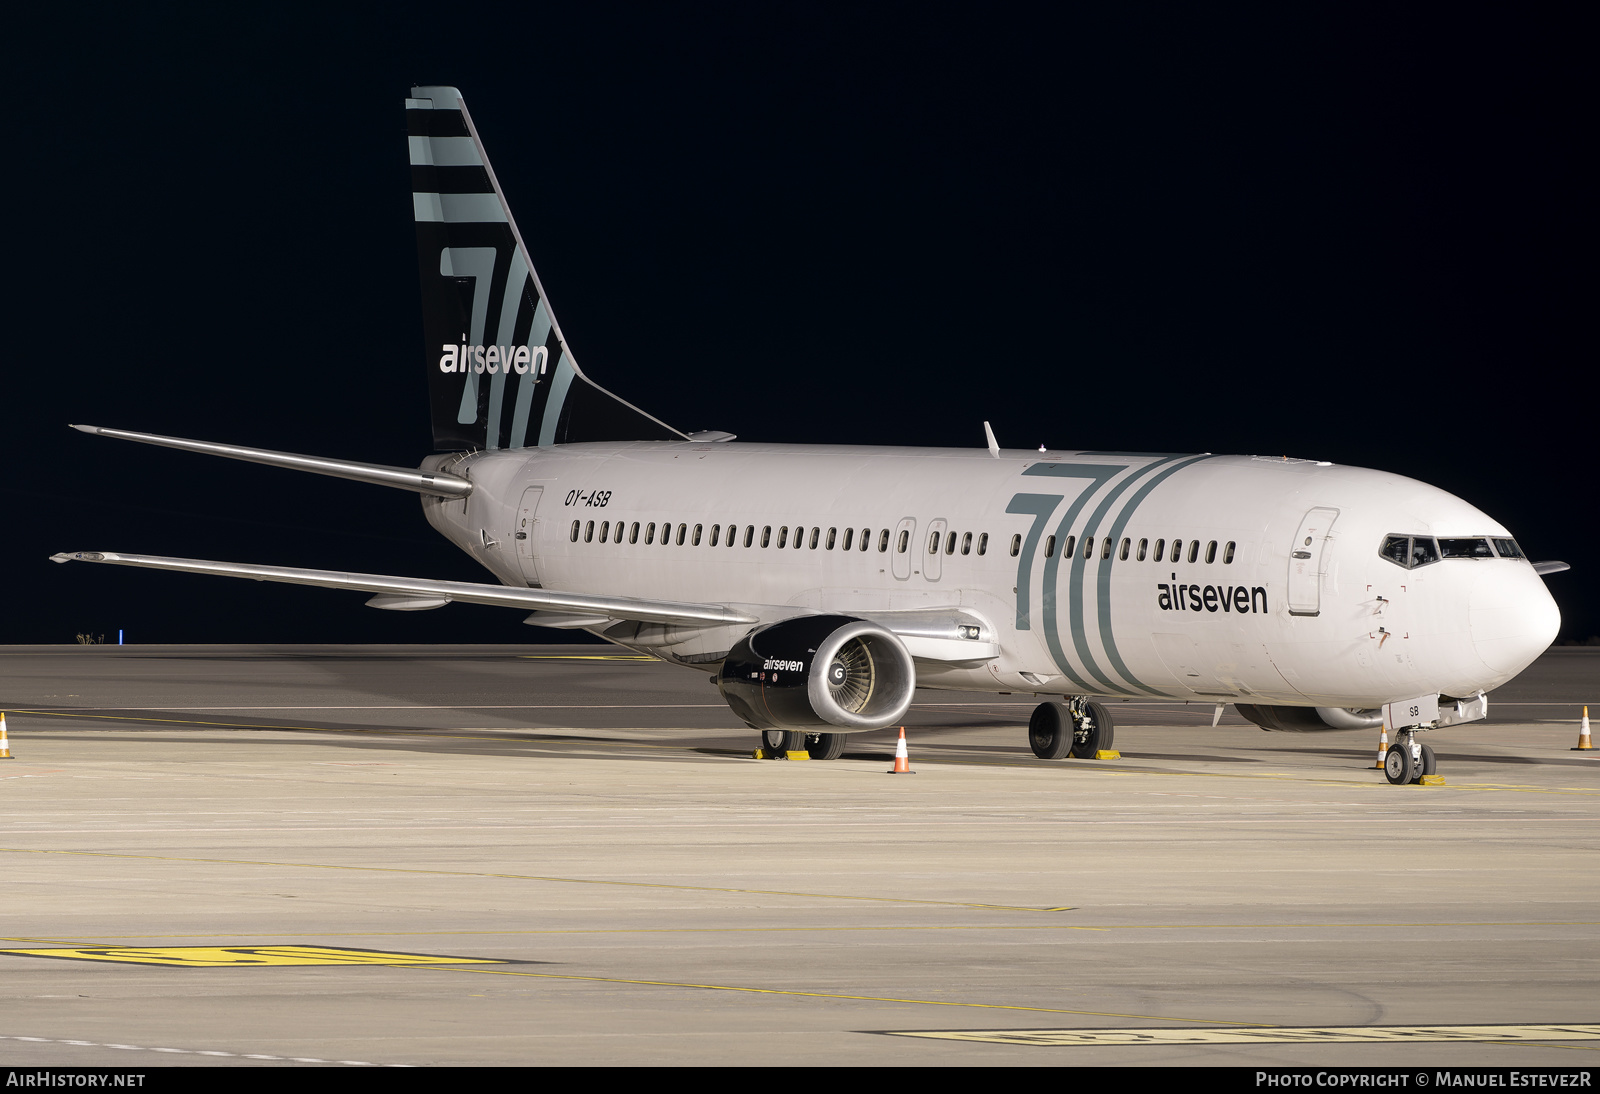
x=495 y=359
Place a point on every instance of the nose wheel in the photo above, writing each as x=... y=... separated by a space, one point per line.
x=1408 y=760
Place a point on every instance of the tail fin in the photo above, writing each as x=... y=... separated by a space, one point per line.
x=500 y=374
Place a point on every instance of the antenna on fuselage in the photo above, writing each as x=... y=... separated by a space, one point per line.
x=994 y=446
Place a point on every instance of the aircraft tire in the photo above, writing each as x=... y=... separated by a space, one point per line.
x=1050 y=731
x=825 y=746
x=1397 y=765
x=1429 y=765
x=1102 y=736
x=782 y=740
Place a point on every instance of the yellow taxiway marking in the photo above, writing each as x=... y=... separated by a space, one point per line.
x=1298 y=1035
x=830 y=995
x=212 y=957
x=539 y=877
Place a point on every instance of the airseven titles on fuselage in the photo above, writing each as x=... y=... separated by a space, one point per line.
x=493 y=359
x=1210 y=598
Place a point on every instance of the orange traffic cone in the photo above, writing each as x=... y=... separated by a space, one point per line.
x=5 y=745
x=1583 y=733
x=1383 y=747
x=902 y=760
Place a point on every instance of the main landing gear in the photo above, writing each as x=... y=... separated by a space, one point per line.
x=1408 y=759
x=1076 y=726
x=778 y=743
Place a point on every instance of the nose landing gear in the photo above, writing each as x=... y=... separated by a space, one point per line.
x=1408 y=760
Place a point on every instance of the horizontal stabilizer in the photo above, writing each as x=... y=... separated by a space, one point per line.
x=440 y=483
x=415 y=590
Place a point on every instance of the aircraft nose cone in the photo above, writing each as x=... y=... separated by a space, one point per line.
x=1512 y=616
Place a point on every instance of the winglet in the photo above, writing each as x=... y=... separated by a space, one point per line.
x=994 y=446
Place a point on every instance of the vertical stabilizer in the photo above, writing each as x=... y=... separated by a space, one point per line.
x=500 y=374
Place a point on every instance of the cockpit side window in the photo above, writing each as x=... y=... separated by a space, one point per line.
x=1397 y=549
x=1409 y=551
x=1507 y=548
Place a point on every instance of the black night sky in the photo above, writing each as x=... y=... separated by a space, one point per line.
x=1342 y=233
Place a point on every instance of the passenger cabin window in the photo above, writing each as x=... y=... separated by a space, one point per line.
x=883 y=541
x=650 y=533
x=966 y=543
x=832 y=534
x=1105 y=548
x=783 y=537
x=1160 y=546
x=633 y=533
x=1016 y=546
x=575 y=531
x=766 y=535
x=1194 y=549
x=983 y=543
x=933 y=543
x=1088 y=546
x=849 y=534
x=1049 y=546
x=950 y=544
x=1072 y=545
x=1122 y=555
x=1227 y=554
x=905 y=542
x=749 y=534
x=1144 y=546
x=1211 y=552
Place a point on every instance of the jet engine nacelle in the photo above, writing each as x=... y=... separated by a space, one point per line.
x=818 y=670
x=1309 y=719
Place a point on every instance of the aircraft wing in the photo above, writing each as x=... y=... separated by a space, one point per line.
x=413 y=592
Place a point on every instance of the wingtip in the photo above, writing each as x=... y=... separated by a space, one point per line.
x=84 y=428
x=77 y=556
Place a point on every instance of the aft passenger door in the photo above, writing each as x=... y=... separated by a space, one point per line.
x=1308 y=561
x=523 y=534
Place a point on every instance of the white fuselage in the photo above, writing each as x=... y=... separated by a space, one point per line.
x=1236 y=616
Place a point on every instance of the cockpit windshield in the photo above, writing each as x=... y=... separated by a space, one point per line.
x=1413 y=551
